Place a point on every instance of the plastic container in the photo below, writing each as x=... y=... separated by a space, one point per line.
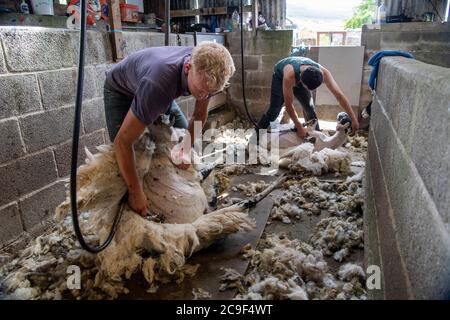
x=235 y=20
x=129 y=12
x=42 y=7
x=381 y=13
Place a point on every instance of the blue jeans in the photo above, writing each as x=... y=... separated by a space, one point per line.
x=277 y=100
x=118 y=104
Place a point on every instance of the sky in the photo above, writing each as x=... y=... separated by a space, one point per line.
x=321 y=9
x=320 y=15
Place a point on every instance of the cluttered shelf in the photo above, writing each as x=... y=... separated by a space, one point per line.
x=206 y=11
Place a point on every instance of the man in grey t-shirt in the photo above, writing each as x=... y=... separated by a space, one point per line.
x=145 y=84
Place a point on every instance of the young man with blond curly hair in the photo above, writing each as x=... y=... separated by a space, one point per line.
x=145 y=85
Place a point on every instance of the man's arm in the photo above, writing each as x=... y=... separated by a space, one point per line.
x=288 y=94
x=200 y=114
x=130 y=130
x=340 y=97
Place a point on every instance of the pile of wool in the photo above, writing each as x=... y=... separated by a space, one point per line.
x=291 y=269
x=305 y=196
x=349 y=201
x=286 y=212
x=40 y=270
x=337 y=197
x=158 y=250
x=223 y=175
x=233 y=138
x=354 y=287
x=251 y=188
x=281 y=268
x=303 y=158
x=231 y=279
x=200 y=294
x=357 y=144
x=336 y=236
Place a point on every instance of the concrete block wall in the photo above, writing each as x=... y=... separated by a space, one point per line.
x=262 y=50
x=407 y=182
x=426 y=41
x=37 y=95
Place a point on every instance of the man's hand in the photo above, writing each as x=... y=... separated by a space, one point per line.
x=138 y=202
x=179 y=157
x=302 y=133
x=355 y=125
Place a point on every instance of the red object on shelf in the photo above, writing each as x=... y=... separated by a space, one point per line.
x=129 y=12
x=90 y=19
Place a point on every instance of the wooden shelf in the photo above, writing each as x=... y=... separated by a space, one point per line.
x=199 y=12
x=205 y=12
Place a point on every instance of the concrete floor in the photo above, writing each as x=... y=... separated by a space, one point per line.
x=226 y=253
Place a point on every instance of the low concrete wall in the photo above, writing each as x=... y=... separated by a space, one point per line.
x=261 y=51
x=427 y=41
x=408 y=180
x=37 y=95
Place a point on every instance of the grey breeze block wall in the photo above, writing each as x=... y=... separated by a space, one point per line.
x=426 y=41
x=408 y=180
x=37 y=95
x=261 y=51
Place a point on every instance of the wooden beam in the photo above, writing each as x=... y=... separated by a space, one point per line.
x=199 y=12
x=115 y=25
x=255 y=15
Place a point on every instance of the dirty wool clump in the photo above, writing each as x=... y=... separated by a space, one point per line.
x=158 y=250
x=290 y=269
x=303 y=158
x=357 y=143
x=40 y=271
x=200 y=294
x=228 y=143
x=223 y=175
x=251 y=188
x=310 y=196
x=336 y=236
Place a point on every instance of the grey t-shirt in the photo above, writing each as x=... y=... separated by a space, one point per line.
x=154 y=77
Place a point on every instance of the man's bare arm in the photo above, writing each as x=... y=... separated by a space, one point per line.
x=200 y=114
x=288 y=94
x=129 y=132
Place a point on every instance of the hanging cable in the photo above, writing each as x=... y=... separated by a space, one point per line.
x=75 y=142
x=242 y=65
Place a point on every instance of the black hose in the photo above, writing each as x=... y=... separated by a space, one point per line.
x=75 y=140
x=242 y=65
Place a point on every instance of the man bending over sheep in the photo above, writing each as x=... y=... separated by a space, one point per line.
x=298 y=76
x=145 y=84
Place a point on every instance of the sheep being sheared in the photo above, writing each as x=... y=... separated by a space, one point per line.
x=175 y=195
x=304 y=158
x=338 y=139
x=289 y=143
